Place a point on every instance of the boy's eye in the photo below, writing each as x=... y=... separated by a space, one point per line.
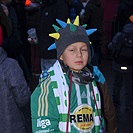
x=71 y=50
x=84 y=49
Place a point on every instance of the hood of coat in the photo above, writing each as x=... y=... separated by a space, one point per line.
x=128 y=28
x=96 y=2
x=3 y=55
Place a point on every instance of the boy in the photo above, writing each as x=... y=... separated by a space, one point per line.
x=73 y=96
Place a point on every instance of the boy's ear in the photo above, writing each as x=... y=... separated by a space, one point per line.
x=61 y=58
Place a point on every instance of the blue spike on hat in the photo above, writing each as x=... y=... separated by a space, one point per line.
x=90 y=31
x=53 y=46
x=61 y=23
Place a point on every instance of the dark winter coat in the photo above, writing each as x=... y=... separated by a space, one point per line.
x=94 y=17
x=14 y=93
x=125 y=10
x=128 y=28
x=53 y=9
x=5 y=23
x=13 y=44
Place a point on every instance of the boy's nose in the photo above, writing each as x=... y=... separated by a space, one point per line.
x=79 y=53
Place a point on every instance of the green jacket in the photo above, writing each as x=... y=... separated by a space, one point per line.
x=83 y=114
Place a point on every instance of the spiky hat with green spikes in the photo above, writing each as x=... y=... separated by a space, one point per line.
x=68 y=34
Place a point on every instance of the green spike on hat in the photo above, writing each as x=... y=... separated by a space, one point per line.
x=68 y=34
x=56 y=28
x=72 y=28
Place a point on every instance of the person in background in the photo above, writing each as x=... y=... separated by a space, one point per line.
x=73 y=97
x=14 y=94
x=75 y=7
x=5 y=21
x=19 y=7
x=32 y=13
x=50 y=10
x=124 y=11
x=93 y=16
x=123 y=66
x=84 y=3
x=13 y=43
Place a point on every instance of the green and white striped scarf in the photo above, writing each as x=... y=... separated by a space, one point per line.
x=60 y=88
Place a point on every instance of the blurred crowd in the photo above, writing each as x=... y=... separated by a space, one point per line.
x=26 y=25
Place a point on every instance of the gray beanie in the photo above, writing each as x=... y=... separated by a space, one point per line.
x=69 y=34
x=68 y=37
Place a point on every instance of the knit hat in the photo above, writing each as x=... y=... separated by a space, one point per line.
x=68 y=34
x=1 y=36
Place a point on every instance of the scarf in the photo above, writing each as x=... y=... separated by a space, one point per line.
x=61 y=93
x=61 y=88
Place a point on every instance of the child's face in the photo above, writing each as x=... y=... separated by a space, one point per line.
x=75 y=56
